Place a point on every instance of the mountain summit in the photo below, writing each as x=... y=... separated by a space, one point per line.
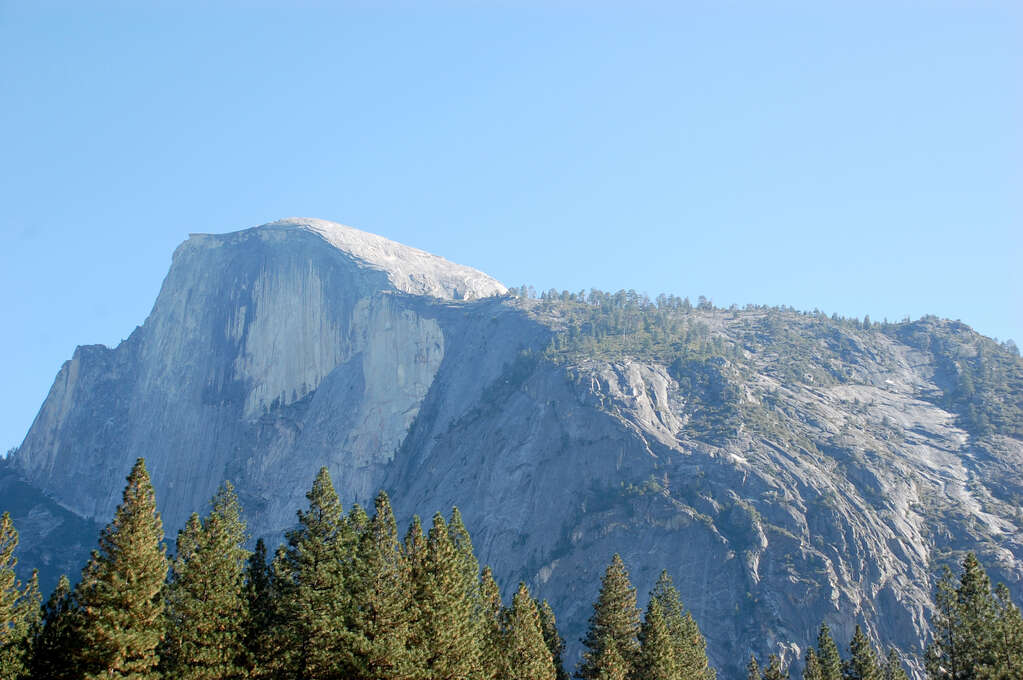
x=409 y=270
x=786 y=468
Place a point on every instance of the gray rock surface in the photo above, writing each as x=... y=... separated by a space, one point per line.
x=275 y=350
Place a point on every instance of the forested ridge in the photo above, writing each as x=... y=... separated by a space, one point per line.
x=346 y=597
x=981 y=379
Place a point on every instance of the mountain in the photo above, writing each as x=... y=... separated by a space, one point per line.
x=785 y=467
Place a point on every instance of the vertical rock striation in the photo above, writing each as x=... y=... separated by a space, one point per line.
x=813 y=471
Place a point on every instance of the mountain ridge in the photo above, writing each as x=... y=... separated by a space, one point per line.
x=786 y=467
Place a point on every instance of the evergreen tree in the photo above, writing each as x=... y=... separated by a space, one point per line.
x=615 y=621
x=526 y=652
x=120 y=594
x=492 y=649
x=414 y=561
x=314 y=600
x=380 y=602
x=658 y=659
x=690 y=645
x=449 y=632
x=468 y=565
x=260 y=633
x=862 y=663
x=610 y=665
x=19 y=607
x=892 y=668
x=977 y=616
x=812 y=667
x=54 y=647
x=827 y=654
x=1008 y=636
x=965 y=626
x=774 y=670
x=554 y=641
x=206 y=607
x=943 y=656
x=753 y=669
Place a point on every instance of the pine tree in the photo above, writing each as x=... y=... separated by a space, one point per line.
x=827 y=654
x=690 y=645
x=943 y=655
x=492 y=649
x=206 y=608
x=451 y=644
x=862 y=663
x=120 y=592
x=526 y=652
x=19 y=607
x=1008 y=635
x=965 y=626
x=615 y=621
x=609 y=663
x=414 y=561
x=892 y=668
x=812 y=667
x=54 y=647
x=313 y=597
x=658 y=658
x=753 y=669
x=774 y=670
x=977 y=615
x=21 y=623
x=469 y=568
x=554 y=641
x=260 y=634
x=380 y=602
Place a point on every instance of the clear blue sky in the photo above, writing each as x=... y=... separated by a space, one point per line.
x=858 y=157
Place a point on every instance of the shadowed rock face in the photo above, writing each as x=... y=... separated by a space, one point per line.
x=777 y=498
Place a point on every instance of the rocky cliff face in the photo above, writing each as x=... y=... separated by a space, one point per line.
x=785 y=468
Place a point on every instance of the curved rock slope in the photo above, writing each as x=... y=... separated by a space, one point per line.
x=813 y=471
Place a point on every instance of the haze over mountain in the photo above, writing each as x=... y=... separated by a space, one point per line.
x=785 y=467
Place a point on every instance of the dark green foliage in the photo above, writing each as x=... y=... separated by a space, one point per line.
x=827 y=654
x=892 y=668
x=774 y=670
x=469 y=569
x=609 y=664
x=658 y=657
x=381 y=603
x=753 y=669
x=449 y=634
x=1008 y=637
x=689 y=643
x=414 y=558
x=19 y=607
x=977 y=634
x=492 y=648
x=527 y=656
x=314 y=599
x=862 y=663
x=555 y=643
x=812 y=666
x=982 y=381
x=53 y=647
x=615 y=621
x=120 y=594
x=206 y=608
x=260 y=600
